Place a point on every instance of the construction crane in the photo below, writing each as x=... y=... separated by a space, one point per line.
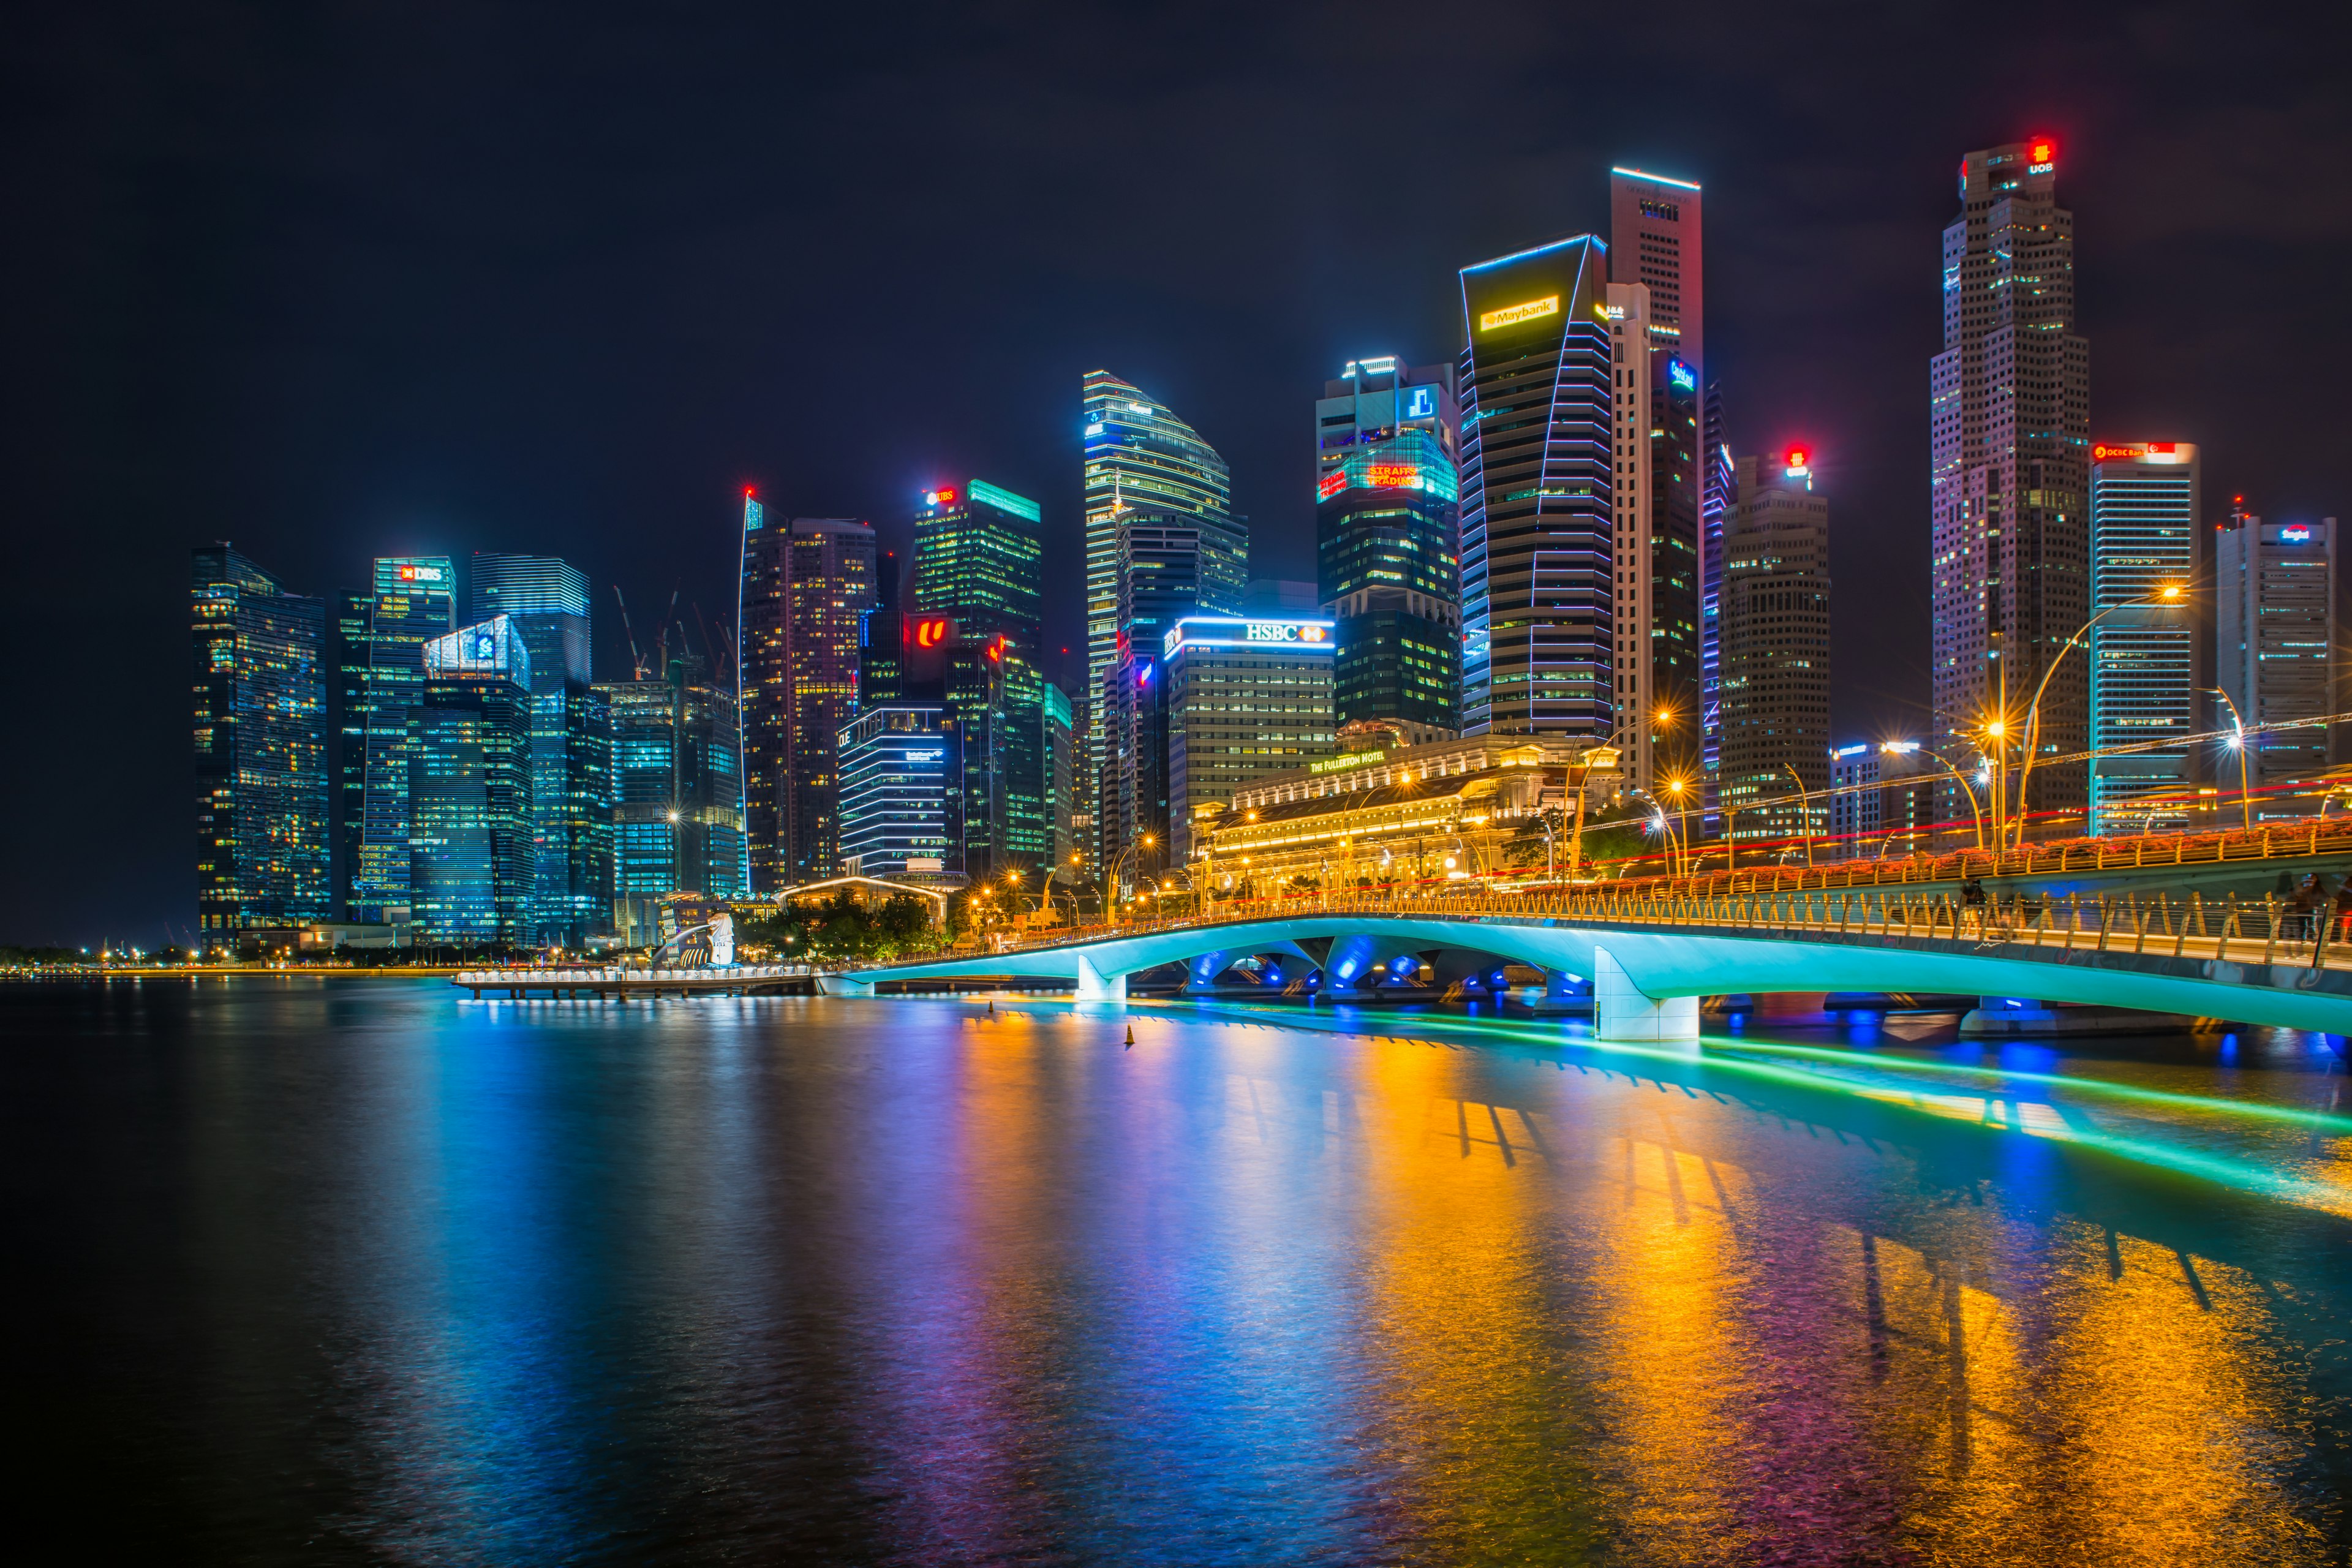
x=636 y=659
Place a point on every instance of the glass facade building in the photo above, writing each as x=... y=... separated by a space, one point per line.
x=901 y=792
x=546 y=602
x=379 y=636
x=677 y=789
x=1387 y=520
x=2149 y=664
x=1776 y=654
x=473 y=860
x=1247 y=698
x=806 y=588
x=263 y=854
x=2009 y=426
x=1539 y=499
x=1144 y=464
x=2281 y=617
x=978 y=561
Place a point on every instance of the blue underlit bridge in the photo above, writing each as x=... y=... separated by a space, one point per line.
x=1644 y=956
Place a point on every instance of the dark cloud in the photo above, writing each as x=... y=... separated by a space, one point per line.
x=342 y=280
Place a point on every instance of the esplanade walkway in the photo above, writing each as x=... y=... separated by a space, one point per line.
x=2148 y=940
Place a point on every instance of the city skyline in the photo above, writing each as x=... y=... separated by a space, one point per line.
x=1800 y=346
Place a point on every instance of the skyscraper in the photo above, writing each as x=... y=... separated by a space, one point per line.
x=806 y=589
x=1159 y=572
x=1538 y=493
x=545 y=601
x=1387 y=539
x=1776 y=651
x=2149 y=664
x=1144 y=464
x=379 y=636
x=260 y=732
x=473 y=875
x=977 y=562
x=2278 y=589
x=1654 y=240
x=1245 y=698
x=1656 y=478
x=677 y=789
x=2009 y=420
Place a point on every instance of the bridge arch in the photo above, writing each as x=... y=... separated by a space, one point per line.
x=1653 y=965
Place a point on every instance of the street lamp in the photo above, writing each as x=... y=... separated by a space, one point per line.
x=2170 y=594
x=1110 y=883
x=1804 y=810
x=2237 y=744
x=1976 y=812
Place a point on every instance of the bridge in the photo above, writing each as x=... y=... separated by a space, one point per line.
x=1648 y=952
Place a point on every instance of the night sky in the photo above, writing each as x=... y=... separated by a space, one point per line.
x=345 y=280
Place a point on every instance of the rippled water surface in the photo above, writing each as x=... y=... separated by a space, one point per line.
x=317 y=1272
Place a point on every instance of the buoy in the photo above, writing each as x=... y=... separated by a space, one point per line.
x=1130 y=1036
x=991 y=1006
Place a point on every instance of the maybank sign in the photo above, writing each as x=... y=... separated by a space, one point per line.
x=1510 y=315
x=1220 y=631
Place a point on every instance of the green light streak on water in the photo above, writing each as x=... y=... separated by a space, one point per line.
x=2241 y=1174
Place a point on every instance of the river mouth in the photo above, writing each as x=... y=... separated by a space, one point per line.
x=339 y=1270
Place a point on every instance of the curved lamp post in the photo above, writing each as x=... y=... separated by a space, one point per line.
x=1976 y=812
x=2237 y=744
x=2170 y=594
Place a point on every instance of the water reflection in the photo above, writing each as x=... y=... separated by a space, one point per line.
x=375 y=1273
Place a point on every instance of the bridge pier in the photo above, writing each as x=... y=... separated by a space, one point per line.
x=1624 y=1013
x=1563 y=993
x=1094 y=985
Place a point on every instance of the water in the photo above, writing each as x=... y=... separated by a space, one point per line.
x=320 y=1273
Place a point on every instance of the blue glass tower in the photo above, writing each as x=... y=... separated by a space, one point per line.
x=262 y=856
x=471 y=861
x=546 y=603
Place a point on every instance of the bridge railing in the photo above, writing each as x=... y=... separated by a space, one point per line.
x=2266 y=930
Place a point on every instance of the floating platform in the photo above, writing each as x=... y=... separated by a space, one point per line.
x=627 y=985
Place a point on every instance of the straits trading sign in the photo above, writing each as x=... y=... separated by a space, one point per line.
x=1510 y=315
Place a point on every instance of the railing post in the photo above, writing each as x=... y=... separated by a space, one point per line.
x=2270 y=927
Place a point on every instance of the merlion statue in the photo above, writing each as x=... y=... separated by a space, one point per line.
x=722 y=940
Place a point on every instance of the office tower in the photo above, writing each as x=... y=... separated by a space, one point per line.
x=1875 y=805
x=1132 y=795
x=1245 y=698
x=546 y=602
x=1776 y=651
x=2149 y=663
x=2278 y=590
x=806 y=589
x=2010 y=421
x=379 y=637
x=1144 y=464
x=473 y=863
x=263 y=857
x=1718 y=489
x=978 y=561
x=1537 y=496
x=1158 y=571
x=677 y=790
x=1059 y=748
x=1654 y=238
x=1655 y=474
x=901 y=792
x=1387 y=541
